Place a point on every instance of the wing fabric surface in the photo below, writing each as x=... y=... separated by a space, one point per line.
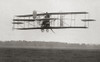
x=43 y=19
x=53 y=13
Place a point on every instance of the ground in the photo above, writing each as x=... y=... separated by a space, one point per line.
x=48 y=55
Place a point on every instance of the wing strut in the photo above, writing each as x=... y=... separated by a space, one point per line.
x=52 y=31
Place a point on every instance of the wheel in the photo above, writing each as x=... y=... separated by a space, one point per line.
x=42 y=30
x=47 y=30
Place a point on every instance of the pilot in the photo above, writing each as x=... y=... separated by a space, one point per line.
x=47 y=15
x=46 y=23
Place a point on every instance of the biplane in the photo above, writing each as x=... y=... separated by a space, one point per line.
x=53 y=20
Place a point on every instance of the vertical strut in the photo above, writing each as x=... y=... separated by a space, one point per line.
x=85 y=21
x=88 y=18
x=71 y=20
x=74 y=19
x=24 y=23
x=61 y=21
x=13 y=25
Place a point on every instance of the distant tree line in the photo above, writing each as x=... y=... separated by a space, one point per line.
x=43 y=44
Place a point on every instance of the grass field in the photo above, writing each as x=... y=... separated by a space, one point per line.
x=48 y=55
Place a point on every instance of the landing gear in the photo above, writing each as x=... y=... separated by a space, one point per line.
x=42 y=30
x=47 y=30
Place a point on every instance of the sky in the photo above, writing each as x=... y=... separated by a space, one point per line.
x=9 y=8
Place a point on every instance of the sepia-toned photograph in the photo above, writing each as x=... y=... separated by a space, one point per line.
x=49 y=31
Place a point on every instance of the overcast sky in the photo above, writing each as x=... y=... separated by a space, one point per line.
x=9 y=8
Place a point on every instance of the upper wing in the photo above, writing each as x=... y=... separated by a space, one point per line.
x=17 y=23
x=53 y=13
x=65 y=13
x=30 y=15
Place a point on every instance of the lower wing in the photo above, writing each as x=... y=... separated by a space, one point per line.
x=49 y=28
